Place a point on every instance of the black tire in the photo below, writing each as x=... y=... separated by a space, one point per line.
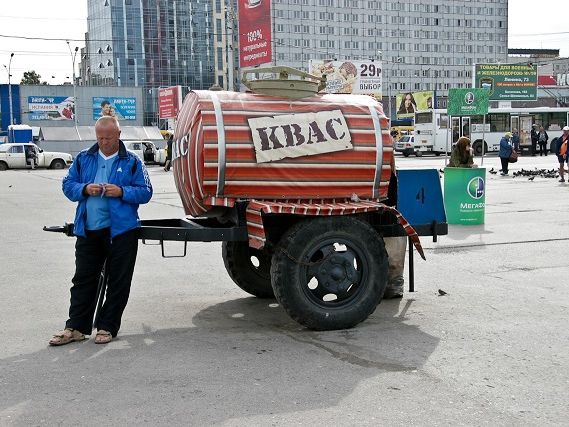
x=477 y=148
x=553 y=146
x=438 y=153
x=3 y=166
x=238 y=258
x=418 y=153
x=57 y=164
x=406 y=154
x=326 y=286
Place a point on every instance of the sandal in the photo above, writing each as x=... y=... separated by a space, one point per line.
x=103 y=337
x=66 y=336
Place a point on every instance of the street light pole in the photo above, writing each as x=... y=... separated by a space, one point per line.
x=73 y=56
x=9 y=69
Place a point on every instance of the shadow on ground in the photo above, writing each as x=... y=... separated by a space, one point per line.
x=239 y=358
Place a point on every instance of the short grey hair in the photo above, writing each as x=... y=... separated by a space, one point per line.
x=107 y=121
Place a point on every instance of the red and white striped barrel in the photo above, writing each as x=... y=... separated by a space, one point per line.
x=216 y=161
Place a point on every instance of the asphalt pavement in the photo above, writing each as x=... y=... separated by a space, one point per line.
x=196 y=350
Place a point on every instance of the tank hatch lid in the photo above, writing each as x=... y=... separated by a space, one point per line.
x=283 y=85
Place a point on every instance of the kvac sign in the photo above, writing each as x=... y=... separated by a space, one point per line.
x=297 y=135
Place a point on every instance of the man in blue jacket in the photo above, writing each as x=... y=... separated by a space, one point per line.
x=109 y=183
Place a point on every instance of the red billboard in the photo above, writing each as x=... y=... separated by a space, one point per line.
x=169 y=102
x=254 y=32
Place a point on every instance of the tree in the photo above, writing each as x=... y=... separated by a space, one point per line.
x=31 y=78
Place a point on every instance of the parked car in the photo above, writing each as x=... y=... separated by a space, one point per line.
x=146 y=151
x=15 y=156
x=407 y=145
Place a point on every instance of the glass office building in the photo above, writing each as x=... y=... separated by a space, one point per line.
x=149 y=43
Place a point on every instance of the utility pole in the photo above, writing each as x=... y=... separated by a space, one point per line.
x=230 y=20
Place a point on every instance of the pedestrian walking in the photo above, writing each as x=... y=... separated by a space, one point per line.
x=516 y=140
x=168 y=163
x=505 y=152
x=109 y=183
x=542 y=139
x=561 y=151
x=534 y=137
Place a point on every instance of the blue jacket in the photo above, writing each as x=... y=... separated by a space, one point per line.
x=505 y=148
x=128 y=172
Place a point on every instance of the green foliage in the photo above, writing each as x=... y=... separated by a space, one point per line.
x=31 y=78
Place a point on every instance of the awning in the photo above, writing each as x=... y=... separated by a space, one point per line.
x=87 y=133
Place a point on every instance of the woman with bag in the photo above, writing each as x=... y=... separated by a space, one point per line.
x=505 y=152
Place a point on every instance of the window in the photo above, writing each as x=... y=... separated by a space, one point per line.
x=17 y=149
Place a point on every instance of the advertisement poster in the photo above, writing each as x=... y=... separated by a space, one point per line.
x=507 y=82
x=169 y=102
x=121 y=108
x=465 y=195
x=409 y=102
x=51 y=107
x=355 y=77
x=467 y=102
x=254 y=32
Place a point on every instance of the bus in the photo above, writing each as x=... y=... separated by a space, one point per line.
x=433 y=133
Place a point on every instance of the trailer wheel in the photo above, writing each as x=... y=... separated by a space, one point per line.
x=330 y=273
x=249 y=268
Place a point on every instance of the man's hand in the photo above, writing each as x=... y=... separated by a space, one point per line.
x=93 y=189
x=112 y=190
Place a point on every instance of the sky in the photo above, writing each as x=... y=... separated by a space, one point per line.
x=534 y=25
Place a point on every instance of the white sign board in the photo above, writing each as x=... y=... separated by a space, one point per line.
x=355 y=77
x=298 y=135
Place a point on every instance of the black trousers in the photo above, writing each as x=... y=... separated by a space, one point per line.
x=90 y=256
x=542 y=149
x=533 y=148
x=505 y=164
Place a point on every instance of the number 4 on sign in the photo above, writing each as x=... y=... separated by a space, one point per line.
x=421 y=195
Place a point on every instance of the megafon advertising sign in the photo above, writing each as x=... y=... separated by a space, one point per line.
x=254 y=32
x=507 y=82
x=169 y=102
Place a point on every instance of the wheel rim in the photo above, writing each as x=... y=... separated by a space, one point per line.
x=335 y=271
x=259 y=263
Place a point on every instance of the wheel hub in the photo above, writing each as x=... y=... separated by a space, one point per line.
x=337 y=273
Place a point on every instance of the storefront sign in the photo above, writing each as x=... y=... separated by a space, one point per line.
x=507 y=82
x=297 y=135
x=169 y=102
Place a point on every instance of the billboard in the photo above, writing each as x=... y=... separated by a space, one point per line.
x=169 y=102
x=120 y=108
x=51 y=107
x=356 y=77
x=408 y=102
x=507 y=82
x=254 y=32
x=467 y=102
